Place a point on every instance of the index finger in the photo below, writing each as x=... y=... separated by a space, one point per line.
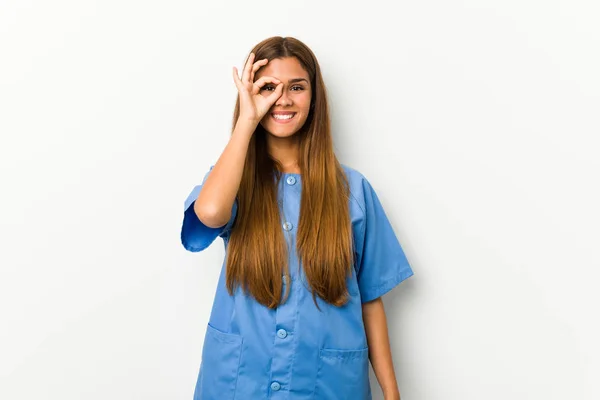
x=247 y=68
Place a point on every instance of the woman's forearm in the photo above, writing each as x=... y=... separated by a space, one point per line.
x=379 y=348
x=215 y=200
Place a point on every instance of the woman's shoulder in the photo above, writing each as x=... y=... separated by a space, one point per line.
x=352 y=173
x=359 y=186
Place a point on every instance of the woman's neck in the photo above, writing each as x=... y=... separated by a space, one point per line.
x=286 y=151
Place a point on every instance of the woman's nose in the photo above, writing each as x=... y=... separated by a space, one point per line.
x=284 y=100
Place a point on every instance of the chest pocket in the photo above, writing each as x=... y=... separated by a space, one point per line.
x=218 y=375
x=343 y=375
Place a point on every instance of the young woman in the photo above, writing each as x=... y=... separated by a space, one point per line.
x=309 y=250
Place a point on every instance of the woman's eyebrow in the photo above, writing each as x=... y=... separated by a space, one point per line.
x=297 y=80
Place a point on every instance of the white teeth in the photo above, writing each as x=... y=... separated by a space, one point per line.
x=288 y=116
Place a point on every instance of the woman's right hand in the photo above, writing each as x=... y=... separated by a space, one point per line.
x=253 y=105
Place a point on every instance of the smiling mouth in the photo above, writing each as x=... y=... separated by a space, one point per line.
x=283 y=118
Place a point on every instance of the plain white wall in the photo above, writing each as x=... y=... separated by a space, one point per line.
x=477 y=123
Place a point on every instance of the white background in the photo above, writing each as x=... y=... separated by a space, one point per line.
x=477 y=123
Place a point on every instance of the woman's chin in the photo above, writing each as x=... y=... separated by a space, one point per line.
x=281 y=132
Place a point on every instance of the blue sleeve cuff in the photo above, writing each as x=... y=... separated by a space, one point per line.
x=195 y=236
x=372 y=293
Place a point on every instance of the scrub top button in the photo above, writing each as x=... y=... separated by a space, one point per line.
x=287 y=226
x=275 y=386
x=282 y=333
x=291 y=180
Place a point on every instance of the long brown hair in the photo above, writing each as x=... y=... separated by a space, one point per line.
x=257 y=254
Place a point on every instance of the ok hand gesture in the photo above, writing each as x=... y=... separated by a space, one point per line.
x=253 y=105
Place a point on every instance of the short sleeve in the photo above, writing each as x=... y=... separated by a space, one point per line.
x=382 y=264
x=195 y=235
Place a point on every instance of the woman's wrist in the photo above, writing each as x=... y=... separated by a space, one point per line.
x=245 y=127
x=391 y=395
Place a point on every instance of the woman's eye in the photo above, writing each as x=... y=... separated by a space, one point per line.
x=271 y=87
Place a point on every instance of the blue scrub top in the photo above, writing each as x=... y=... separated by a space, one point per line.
x=296 y=351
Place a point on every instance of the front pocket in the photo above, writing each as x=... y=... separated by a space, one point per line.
x=218 y=375
x=343 y=375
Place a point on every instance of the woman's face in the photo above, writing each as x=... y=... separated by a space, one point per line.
x=289 y=112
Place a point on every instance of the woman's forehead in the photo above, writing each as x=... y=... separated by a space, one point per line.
x=285 y=69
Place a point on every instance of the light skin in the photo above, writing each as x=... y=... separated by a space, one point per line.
x=380 y=353
x=276 y=86
x=295 y=99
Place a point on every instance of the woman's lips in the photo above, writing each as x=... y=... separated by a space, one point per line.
x=283 y=117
